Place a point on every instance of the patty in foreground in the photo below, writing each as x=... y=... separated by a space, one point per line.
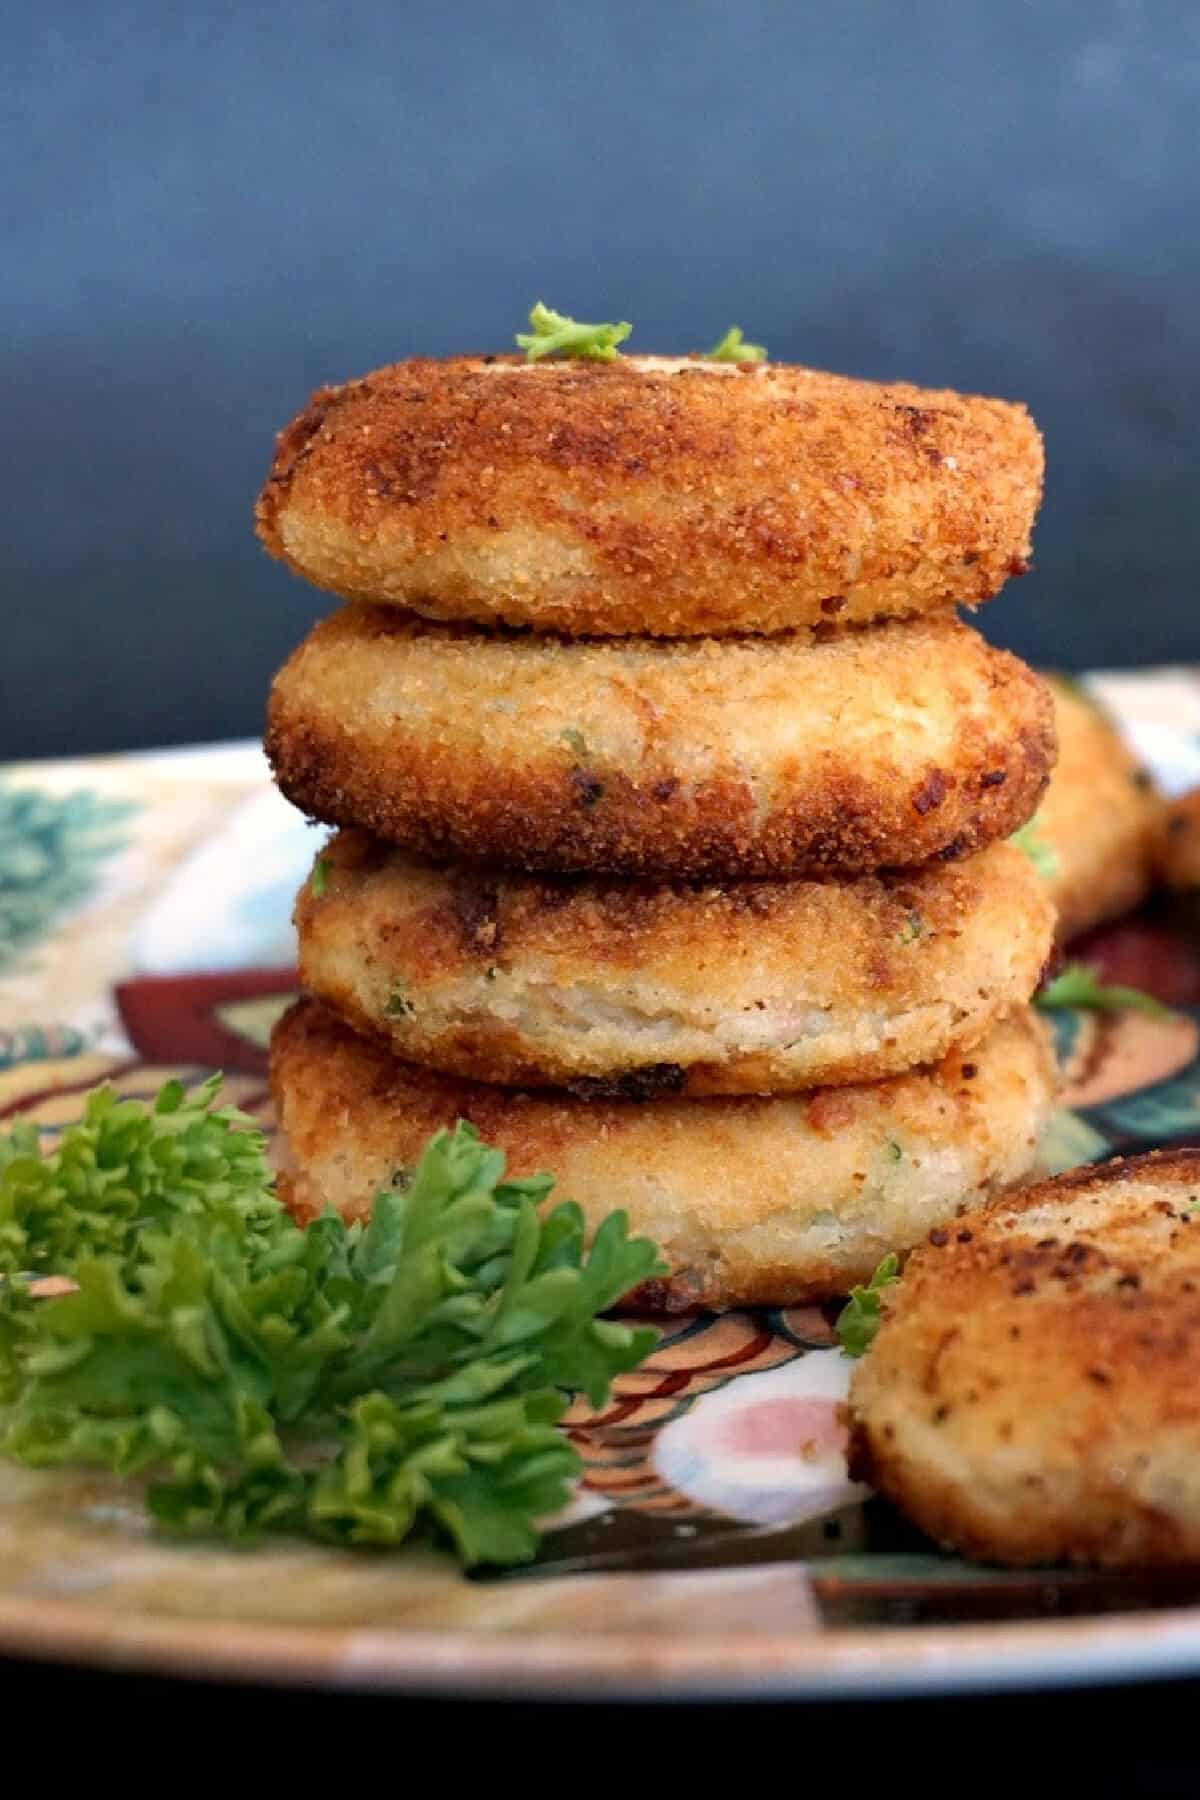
x=710 y=757
x=751 y=1201
x=741 y=987
x=675 y=497
x=1031 y=1394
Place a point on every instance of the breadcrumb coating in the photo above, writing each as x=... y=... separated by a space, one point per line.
x=702 y=758
x=651 y=495
x=752 y=1201
x=1031 y=1395
x=635 y=988
x=1102 y=818
x=1179 y=855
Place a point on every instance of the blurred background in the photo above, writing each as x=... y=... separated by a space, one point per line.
x=211 y=209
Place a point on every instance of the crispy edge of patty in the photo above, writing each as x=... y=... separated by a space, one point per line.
x=1179 y=852
x=629 y=989
x=1030 y=1395
x=702 y=758
x=1101 y=816
x=707 y=1179
x=651 y=495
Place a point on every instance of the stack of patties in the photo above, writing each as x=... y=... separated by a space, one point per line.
x=673 y=797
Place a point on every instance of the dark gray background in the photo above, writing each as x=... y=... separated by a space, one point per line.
x=209 y=209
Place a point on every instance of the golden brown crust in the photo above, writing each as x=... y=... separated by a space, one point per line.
x=651 y=495
x=1101 y=818
x=1031 y=1395
x=1179 y=851
x=710 y=757
x=752 y=1201
x=743 y=987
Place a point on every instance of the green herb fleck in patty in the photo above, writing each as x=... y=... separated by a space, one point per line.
x=1041 y=854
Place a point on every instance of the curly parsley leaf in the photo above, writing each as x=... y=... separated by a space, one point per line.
x=357 y=1383
x=859 y=1319
x=554 y=334
x=1041 y=854
x=123 y=1168
x=1079 y=987
x=733 y=348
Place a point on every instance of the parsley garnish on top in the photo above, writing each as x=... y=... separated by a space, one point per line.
x=554 y=334
x=1079 y=987
x=859 y=1319
x=353 y=1382
x=732 y=348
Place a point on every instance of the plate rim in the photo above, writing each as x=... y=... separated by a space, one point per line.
x=859 y=1663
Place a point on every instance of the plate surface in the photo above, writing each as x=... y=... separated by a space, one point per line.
x=144 y=906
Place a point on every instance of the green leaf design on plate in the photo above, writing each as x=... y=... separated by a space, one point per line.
x=1065 y=1027
x=923 y=1568
x=52 y=847
x=1068 y=1141
x=1170 y=1109
x=254 y=1019
x=39 y=1043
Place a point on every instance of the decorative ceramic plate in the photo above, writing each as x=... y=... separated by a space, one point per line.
x=715 y=1544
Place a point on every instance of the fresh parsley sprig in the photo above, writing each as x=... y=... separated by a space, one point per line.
x=1079 y=987
x=860 y=1318
x=554 y=334
x=357 y=1383
x=733 y=348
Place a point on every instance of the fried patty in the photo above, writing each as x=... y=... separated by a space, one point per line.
x=751 y=1201
x=1102 y=819
x=1031 y=1396
x=633 y=988
x=651 y=495
x=707 y=757
x=1179 y=853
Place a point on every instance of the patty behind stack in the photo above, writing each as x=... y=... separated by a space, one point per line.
x=704 y=911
